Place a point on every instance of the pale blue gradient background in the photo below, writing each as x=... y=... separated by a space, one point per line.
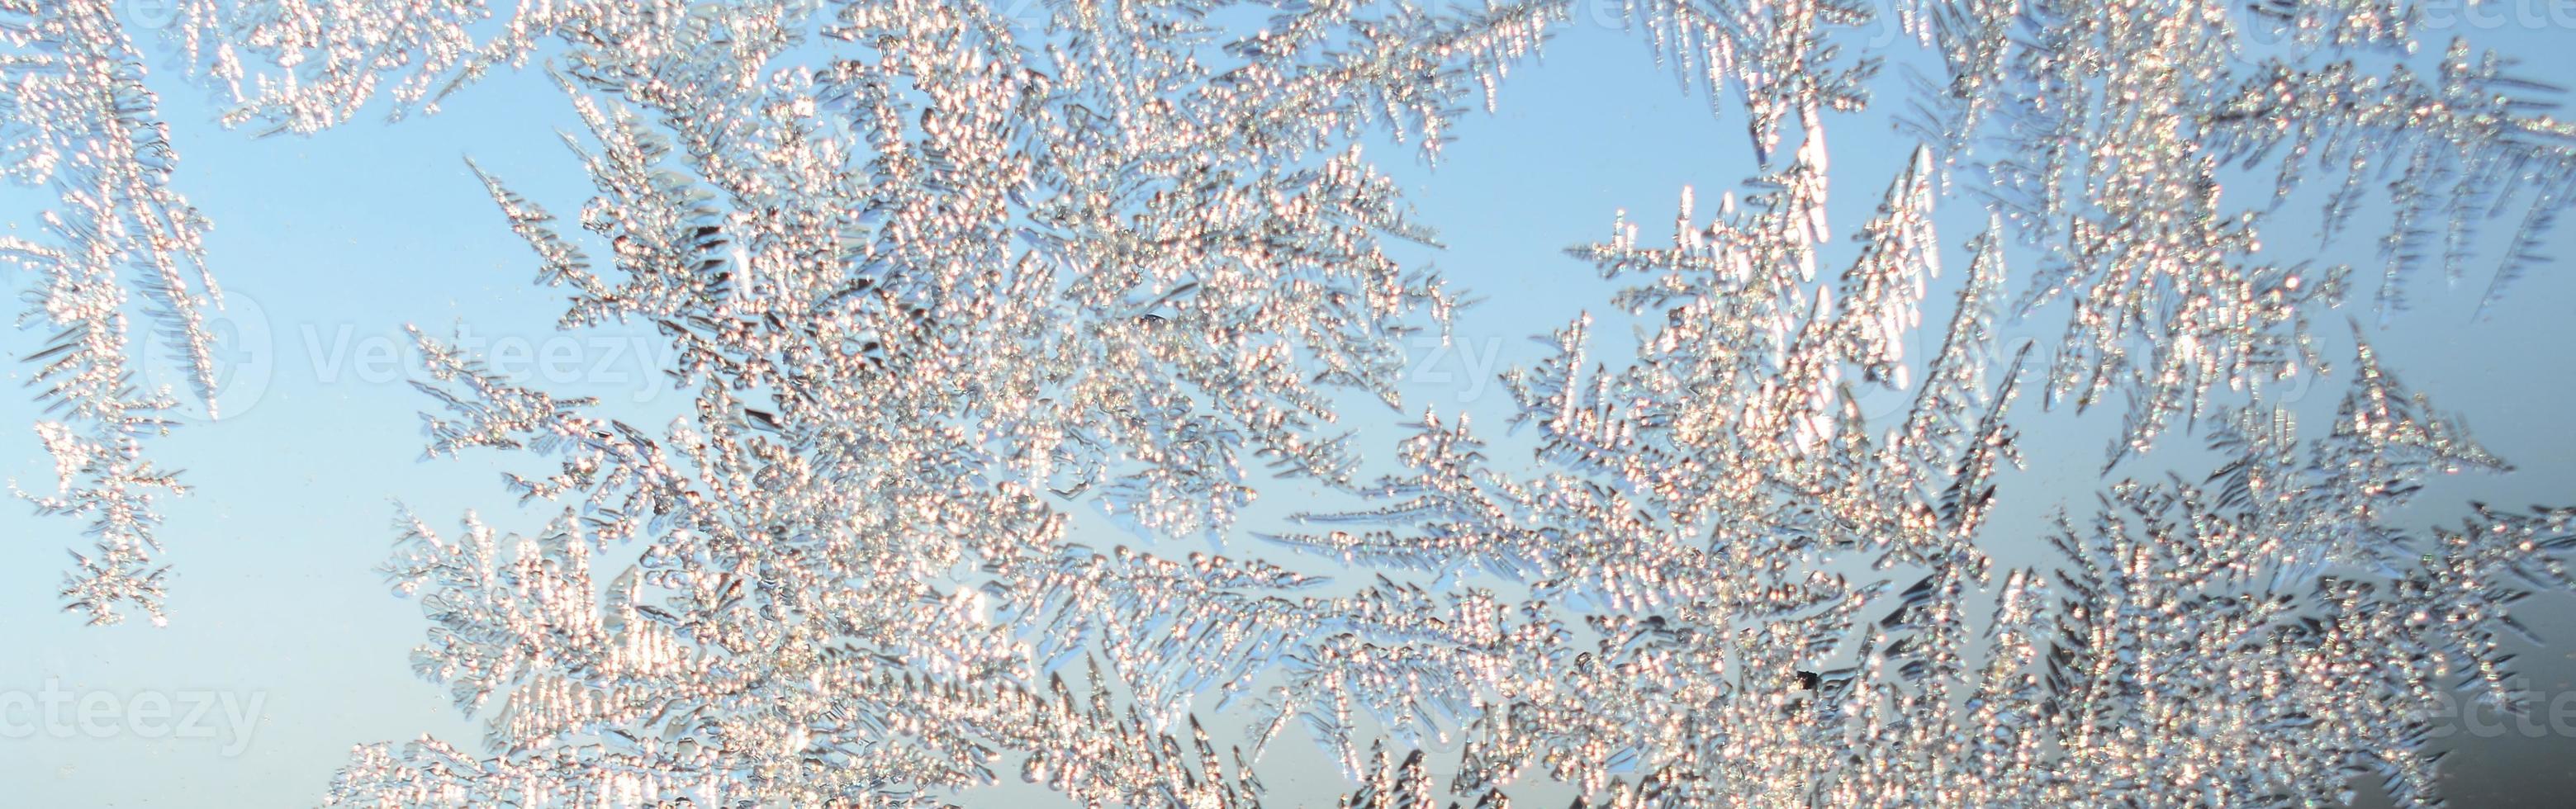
x=338 y=241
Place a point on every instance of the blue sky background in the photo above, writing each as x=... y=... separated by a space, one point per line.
x=328 y=246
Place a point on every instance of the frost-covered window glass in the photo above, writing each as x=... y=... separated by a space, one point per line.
x=1176 y=403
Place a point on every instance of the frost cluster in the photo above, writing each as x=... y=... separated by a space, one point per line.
x=938 y=272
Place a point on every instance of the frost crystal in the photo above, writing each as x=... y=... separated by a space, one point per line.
x=937 y=271
x=78 y=122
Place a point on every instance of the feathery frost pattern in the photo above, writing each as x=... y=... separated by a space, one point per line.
x=119 y=244
x=938 y=273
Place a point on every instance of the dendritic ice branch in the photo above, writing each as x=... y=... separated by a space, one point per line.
x=930 y=283
x=2252 y=638
x=2107 y=131
x=118 y=243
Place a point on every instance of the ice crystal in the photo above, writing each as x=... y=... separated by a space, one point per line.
x=118 y=241
x=937 y=272
x=2188 y=646
x=972 y=269
x=2103 y=130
